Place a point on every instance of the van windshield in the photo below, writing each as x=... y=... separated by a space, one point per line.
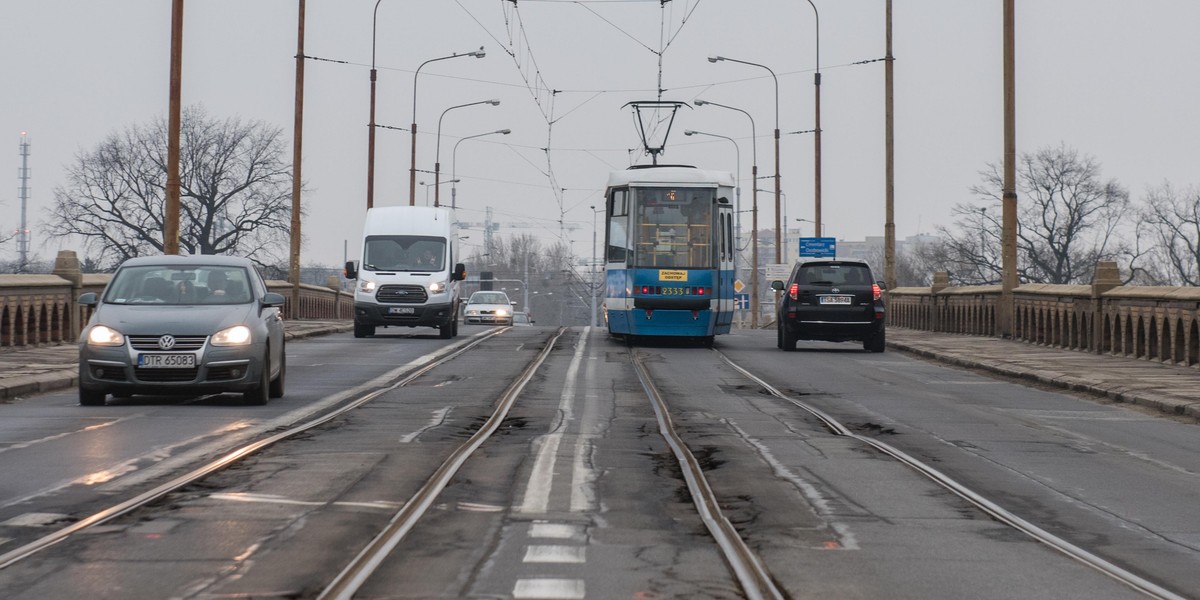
x=404 y=253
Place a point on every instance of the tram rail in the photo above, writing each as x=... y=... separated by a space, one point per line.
x=228 y=459
x=989 y=507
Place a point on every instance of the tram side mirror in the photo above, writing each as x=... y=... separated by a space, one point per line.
x=460 y=272
x=777 y=285
x=351 y=270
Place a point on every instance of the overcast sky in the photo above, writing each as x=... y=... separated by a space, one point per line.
x=1115 y=80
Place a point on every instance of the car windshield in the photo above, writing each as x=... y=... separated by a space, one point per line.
x=488 y=298
x=520 y=318
x=834 y=274
x=177 y=285
x=404 y=253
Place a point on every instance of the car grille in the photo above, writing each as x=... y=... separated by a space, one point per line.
x=183 y=343
x=402 y=294
x=165 y=375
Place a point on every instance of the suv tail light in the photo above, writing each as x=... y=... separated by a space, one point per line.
x=794 y=292
x=876 y=291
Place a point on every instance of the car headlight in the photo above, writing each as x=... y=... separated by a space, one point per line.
x=238 y=335
x=437 y=287
x=500 y=312
x=473 y=312
x=366 y=286
x=105 y=336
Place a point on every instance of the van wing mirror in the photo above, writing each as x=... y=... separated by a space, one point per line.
x=351 y=270
x=89 y=299
x=460 y=272
x=777 y=285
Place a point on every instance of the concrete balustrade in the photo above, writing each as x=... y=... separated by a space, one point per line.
x=43 y=309
x=1159 y=324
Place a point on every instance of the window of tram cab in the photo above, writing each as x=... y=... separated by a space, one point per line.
x=617 y=235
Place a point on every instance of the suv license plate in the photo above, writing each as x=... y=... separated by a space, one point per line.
x=166 y=361
x=837 y=299
x=400 y=310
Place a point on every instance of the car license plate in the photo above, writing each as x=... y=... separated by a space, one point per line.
x=837 y=299
x=166 y=361
x=400 y=310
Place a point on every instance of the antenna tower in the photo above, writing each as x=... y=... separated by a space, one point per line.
x=23 y=232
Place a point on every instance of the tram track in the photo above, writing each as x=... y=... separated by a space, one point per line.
x=364 y=564
x=748 y=568
x=991 y=508
x=232 y=457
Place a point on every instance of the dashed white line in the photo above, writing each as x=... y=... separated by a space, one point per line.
x=545 y=589
x=556 y=554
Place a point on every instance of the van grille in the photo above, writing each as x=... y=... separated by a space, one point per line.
x=401 y=294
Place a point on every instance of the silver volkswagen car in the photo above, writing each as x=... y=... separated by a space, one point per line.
x=183 y=325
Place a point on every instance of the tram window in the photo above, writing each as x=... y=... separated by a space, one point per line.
x=674 y=228
x=618 y=218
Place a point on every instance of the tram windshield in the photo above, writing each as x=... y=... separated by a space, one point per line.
x=673 y=227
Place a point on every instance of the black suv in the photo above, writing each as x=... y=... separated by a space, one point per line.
x=830 y=299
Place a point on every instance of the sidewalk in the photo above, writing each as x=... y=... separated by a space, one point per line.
x=26 y=371
x=1171 y=389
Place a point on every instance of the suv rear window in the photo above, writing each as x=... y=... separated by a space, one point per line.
x=834 y=274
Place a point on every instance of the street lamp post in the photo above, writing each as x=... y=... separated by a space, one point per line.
x=778 y=218
x=432 y=185
x=595 y=284
x=412 y=170
x=437 y=156
x=454 y=162
x=371 y=123
x=817 y=126
x=753 y=210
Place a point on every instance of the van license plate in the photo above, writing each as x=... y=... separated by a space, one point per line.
x=166 y=361
x=400 y=310
x=837 y=299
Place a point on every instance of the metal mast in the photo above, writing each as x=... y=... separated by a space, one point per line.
x=23 y=232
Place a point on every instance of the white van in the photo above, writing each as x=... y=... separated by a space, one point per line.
x=405 y=276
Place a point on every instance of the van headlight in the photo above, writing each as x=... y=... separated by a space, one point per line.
x=105 y=336
x=437 y=287
x=366 y=286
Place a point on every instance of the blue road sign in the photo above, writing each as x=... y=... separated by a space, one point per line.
x=818 y=247
x=741 y=300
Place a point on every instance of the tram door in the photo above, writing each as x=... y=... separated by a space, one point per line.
x=726 y=251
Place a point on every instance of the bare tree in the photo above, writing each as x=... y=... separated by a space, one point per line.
x=1068 y=220
x=1171 y=220
x=235 y=191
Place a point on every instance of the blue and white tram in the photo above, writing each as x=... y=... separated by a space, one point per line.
x=669 y=252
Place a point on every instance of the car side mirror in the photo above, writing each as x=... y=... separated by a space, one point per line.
x=460 y=272
x=514 y=302
x=89 y=299
x=881 y=284
x=350 y=270
x=273 y=299
x=777 y=285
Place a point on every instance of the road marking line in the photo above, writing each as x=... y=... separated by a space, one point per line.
x=556 y=531
x=547 y=589
x=552 y=553
x=541 y=478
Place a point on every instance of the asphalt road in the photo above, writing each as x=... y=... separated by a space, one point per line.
x=578 y=496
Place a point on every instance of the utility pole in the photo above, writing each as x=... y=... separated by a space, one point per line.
x=1009 y=202
x=298 y=124
x=889 y=225
x=171 y=208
